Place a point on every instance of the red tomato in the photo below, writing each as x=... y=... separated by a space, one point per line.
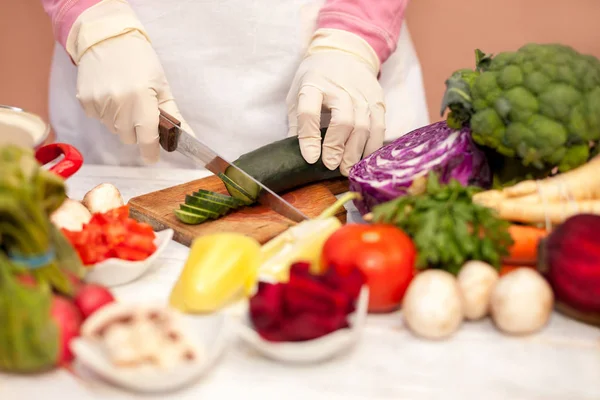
x=113 y=234
x=385 y=255
x=127 y=253
x=141 y=243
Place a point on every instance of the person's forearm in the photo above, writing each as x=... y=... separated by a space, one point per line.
x=63 y=13
x=378 y=22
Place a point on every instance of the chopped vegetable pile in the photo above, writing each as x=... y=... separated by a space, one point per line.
x=113 y=234
x=307 y=306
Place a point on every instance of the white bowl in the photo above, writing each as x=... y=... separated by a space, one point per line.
x=114 y=271
x=209 y=334
x=310 y=351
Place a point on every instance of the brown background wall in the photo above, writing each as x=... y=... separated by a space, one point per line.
x=445 y=33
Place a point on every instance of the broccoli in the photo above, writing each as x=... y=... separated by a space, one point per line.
x=539 y=105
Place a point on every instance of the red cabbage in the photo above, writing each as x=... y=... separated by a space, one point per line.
x=388 y=172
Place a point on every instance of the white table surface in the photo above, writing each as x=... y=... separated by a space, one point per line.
x=560 y=363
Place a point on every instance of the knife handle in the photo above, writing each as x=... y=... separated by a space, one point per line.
x=168 y=131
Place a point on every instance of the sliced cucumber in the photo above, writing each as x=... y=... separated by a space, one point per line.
x=279 y=166
x=219 y=198
x=206 y=204
x=237 y=191
x=189 y=218
x=199 y=211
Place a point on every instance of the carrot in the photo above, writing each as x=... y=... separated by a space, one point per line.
x=525 y=247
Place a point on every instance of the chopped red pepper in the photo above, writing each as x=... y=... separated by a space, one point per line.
x=113 y=234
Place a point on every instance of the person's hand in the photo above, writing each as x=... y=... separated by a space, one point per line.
x=339 y=72
x=120 y=80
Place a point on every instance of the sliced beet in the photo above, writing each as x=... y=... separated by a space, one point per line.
x=350 y=284
x=266 y=306
x=301 y=268
x=298 y=301
x=309 y=326
x=319 y=292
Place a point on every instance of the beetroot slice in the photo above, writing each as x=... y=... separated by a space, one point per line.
x=311 y=326
x=350 y=284
x=319 y=292
x=266 y=306
x=298 y=301
x=301 y=268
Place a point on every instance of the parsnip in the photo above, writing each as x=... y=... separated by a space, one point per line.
x=581 y=183
x=555 y=213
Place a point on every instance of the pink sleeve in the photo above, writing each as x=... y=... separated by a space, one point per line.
x=376 y=21
x=63 y=14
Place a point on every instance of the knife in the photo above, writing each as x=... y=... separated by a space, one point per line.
x=173 y=138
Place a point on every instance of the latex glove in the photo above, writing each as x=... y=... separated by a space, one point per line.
x=339 y=72
x=120 y=80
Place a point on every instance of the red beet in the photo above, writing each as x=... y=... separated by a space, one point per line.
x=68 y=318
x=570 y=261
x=91 y=297
x=349 y=284
x=266 y=306
x=301 y=268
x=334 y=300
x=309 y=326
x=307 y=306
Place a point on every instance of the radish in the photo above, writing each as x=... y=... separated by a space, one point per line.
x=69 y=319
x=91 y=297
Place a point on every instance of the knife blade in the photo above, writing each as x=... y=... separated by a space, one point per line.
x=174 y=138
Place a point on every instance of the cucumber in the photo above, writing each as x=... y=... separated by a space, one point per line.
x=199 y=211
x=207 y=204
x=219 y=198
x=236 y=191
x=189 y=218
x=279 y=166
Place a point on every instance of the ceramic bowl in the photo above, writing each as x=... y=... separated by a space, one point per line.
x=209 y=334
x=114 y=272
x=310 y=351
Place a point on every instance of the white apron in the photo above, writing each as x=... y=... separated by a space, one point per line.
x=230 y=64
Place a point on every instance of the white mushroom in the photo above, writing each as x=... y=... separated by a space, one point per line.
x=102 y=198
x=476 y=280
x=432 y=306
x=71 y=215
x=522 y=302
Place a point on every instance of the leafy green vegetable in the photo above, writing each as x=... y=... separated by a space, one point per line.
x=448 y=229
x=29 y=338
x=539 y=105
x=28 y=194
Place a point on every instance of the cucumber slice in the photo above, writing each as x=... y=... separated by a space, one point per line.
x=189 y=218
x=199 y=211
x=218 y=198
x=236 y=191
x=206 y=204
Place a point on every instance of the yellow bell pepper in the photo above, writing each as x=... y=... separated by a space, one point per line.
x=302 y=242
x=220 y=268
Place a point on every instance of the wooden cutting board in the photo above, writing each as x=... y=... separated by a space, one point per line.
x=257 y=221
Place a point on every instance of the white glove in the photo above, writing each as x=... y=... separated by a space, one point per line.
x=120 y=79
x=338 y=72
